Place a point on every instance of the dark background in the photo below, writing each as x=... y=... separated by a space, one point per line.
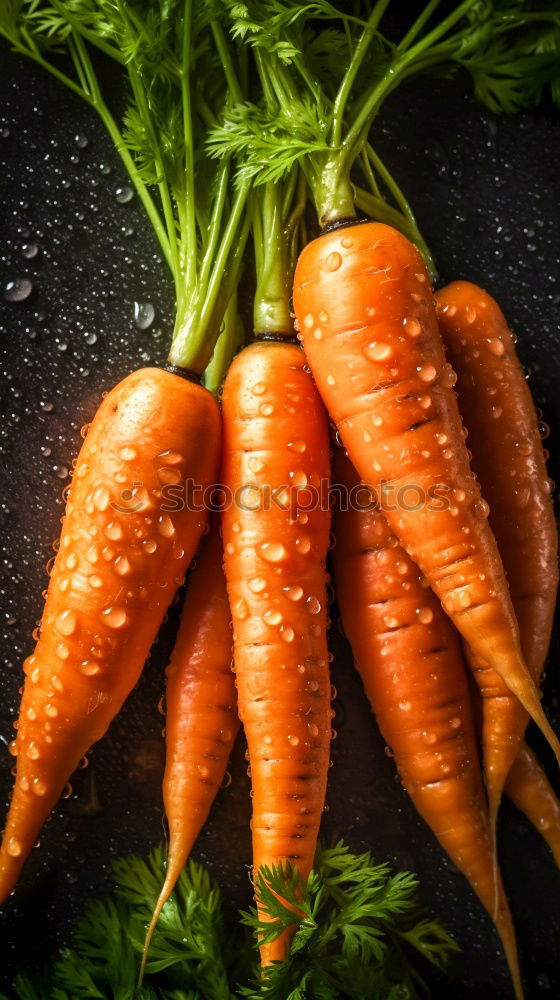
x=486 y=194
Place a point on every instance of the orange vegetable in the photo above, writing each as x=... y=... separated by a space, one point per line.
x=366 y=315
x=276 y=449
x=121 y=558
x=201 y=717
x=529 y=789
x=508 y=458
x=408 y=656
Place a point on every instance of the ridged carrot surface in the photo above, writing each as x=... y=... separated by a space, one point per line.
x=409 y=659
x=201 y=720
x=122 y=556
x=276 y=445
x=508 y=458
x=368 y=323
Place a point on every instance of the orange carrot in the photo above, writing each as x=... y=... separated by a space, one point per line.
x=201 y=717
x=508 y=459
x=409 y=658
x=122 y=556
x=276 y=444
x=368 y=323
x=529 y=789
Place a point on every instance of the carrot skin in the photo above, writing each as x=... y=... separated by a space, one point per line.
x=367 y=319
x=276 y=439
x=508 y=459
x=201 y=717
x=409 y=658
x=122 y=556
x=530 y=790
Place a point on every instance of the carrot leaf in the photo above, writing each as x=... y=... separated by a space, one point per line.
x=358 y=932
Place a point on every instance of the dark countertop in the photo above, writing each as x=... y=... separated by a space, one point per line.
x=486 y=195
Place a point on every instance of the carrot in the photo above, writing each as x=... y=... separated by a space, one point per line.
x=365 y=310
x=275 y=442
x=201 y=717
x=122 y=556
x=409 y=658
x=529 y=789
x=508 y=459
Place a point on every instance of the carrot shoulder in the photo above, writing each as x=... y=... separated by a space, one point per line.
x=123 y=551
x=276 y=450
x=201 y=715
x=368 y=323
x=508 y=458
x=409 y=658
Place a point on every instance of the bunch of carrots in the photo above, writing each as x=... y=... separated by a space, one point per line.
x=447 y=561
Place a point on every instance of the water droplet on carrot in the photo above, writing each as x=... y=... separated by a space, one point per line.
x=287 y=633
x=481 y=508
x=266 y=409
x=259 y=388
x=257 y=585
x=14 y=848
x=426 y=373
x=412 y=326
x=293 y=741
x=377 y=351
x=39 y=787
x=33 y=751
x=89 y=668
x=330 y=380
x=429 y=738
x=122 y=566
x=273 y=552
x=425 y=615
x=333 y=261
x=272 y=617
x=66 y=622
x=165 y=526
x=114 y=617
x=313 y=605
x=240 y=609
x=455 y=722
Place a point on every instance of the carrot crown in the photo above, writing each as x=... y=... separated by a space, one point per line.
x=329 y=73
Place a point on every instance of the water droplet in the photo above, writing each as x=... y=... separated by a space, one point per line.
x=14 y=848
x=293 y=741
x=333 y=261
x=313 y=605
x=425 y=615
x=496 y=347
x=259 y=388
x=426 y=373
x=481 y=508
x=144 y=315
x=293 y=593
x=81 y=141
x=114 y=617
x=30 y=250
x=405 y=706
x=455 y=722
x=303 y=544
x=287 y=633
x=166 y=526
x=266 y=409
x=122 y=566
x=412 y=326
x=377 y=351
x=39 y=787
x=240 y=609
x=18 y=290
x=124 y=194
x=257 y=585
x=66 y=622
x=33 y=751
x=272 y=551
x=429 y=738
x=272 y=617
x=89 y=668
x=51 y=711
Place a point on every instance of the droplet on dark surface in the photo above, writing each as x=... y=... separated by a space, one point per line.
x=18 y=289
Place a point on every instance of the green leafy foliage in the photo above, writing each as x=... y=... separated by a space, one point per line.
x=358 y=931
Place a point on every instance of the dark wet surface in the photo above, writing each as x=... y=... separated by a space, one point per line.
x=486 y=195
